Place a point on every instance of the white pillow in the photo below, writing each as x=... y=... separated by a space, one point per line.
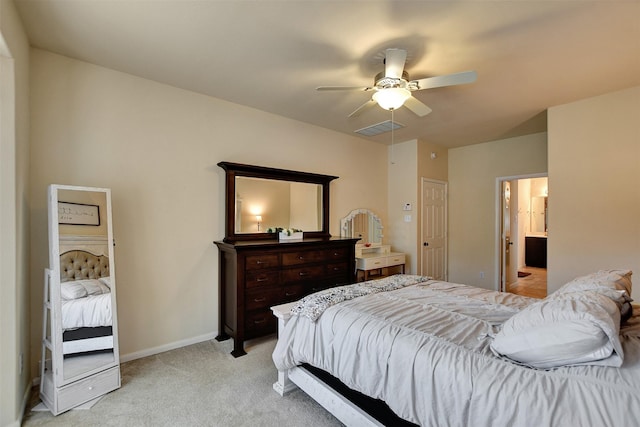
x=94 y=287
x=578 y=328
x=611 y=283
x=72 y=290
x=106 y=281
x=81 y=288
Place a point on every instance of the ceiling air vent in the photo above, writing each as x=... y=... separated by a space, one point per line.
x=379 y=128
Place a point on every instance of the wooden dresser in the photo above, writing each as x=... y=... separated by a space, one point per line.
x=256 y=275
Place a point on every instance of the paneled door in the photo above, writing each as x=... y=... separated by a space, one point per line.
x=434 y=229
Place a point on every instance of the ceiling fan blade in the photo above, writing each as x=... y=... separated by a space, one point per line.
x=394 y=63
x=360 y=109
x=448 y=80
x=323 y=88
x=417 y=106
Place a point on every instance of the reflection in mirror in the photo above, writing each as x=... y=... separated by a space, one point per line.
x=364 y=224
x=255 y=207
x=85 y=281
x=538 y=214
x=264 y=203
x=80 y=326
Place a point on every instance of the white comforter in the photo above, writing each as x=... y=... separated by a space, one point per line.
x=90 y=312
x=424 y=350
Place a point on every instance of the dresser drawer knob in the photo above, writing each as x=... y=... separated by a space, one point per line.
x=262 y=279
x=259 y=262
x=302 y=273
x=259 y=299
x=300 y=257
x=258 y=321
x=289 y=294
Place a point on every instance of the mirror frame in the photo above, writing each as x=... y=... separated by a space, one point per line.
x=232 y=170
x=55 y=283
x=351 y=215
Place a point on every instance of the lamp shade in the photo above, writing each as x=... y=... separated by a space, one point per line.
x=391 y=98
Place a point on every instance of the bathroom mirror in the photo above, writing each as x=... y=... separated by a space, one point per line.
x=80 y=323
x=259 y=198
x=364 y=224
x=538 y=214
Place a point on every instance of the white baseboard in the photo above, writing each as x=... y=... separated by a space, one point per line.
x=166 y=347
x=26 y=397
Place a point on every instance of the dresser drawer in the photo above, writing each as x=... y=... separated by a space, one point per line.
x=294 y=293
x=336 y=254
x=257 y=262
x=337 y=268
x=303 y=257
x=261 y=298
x=260 y=322
x=260 y=279
x=371 y=263
x=313 y=272
x=395 y=260
x=88 y=388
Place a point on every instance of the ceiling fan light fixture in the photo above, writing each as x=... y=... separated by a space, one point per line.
x=391 y=98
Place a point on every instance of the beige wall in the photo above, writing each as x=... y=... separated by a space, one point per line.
x=594 y=186
x=473 y=173
x=14 y=216
x=403 y=188
x=157 y=148
x=433 y=168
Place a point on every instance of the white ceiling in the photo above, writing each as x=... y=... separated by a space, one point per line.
x=270 y=55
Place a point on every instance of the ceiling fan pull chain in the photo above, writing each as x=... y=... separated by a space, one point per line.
x=392 y=137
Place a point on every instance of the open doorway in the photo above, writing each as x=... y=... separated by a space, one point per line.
x=522 y=219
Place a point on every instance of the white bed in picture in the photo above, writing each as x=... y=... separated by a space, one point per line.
x=86 y=302
x=440 y=353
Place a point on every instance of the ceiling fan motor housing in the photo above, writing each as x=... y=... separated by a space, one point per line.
x=383 y=82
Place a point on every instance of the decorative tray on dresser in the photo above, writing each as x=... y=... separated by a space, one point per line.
x=256 y=275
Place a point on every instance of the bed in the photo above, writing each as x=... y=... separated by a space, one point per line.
x=440 y=353
x=85 y=287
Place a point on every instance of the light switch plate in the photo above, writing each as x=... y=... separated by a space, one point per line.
x=407 y=218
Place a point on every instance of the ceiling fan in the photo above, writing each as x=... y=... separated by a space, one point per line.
x=392 y=87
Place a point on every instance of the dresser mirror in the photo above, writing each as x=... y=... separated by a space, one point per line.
x=363 y=224
x=259 y=198
x=80 y=334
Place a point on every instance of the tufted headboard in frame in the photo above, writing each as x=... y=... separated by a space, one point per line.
x=78 y=264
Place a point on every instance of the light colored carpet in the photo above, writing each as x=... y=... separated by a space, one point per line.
x=198 y=385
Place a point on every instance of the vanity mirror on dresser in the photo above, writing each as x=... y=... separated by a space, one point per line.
x=372 y=256
x=257 y=270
